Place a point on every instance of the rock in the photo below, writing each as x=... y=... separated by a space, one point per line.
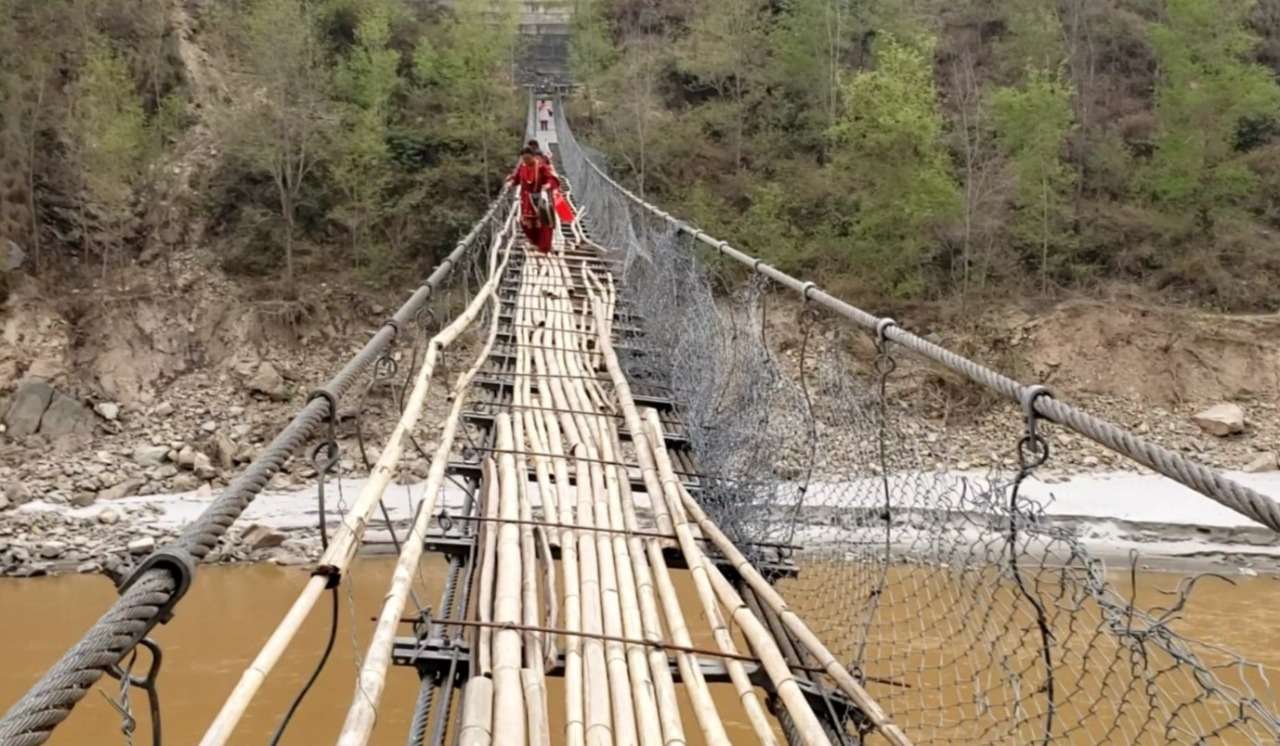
x=1248 y=572
x=145 y=545
x=84 y=498
x=1221 y=420
x=268 y=382
x=187 y=458
x=1090 y=461
x=203 y=467
x=164 y=410
x=18 y=493
x=109 y=516
x=65 y=416
x=107 y=410
x=11 y=255
x=124 y=489
x=209 y=426
x=257 y=536
x=245 y=453
x=26 y=407
x=204 y=491
x=150 y=455
x=225 y=450
x=1263 y=462
x=53 y=549
x=164 y=471
x=4 y=503
x=88 y=567
x=185 y=482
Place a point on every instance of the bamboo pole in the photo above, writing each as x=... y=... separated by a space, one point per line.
x=532 y=674
x=477 y=713
x=634 y=706
x=575 y=716
x=690 y=672
x=489 y=549
x=509 y=717
x=608 y=514
x=535 y=432
x=372 y=677
x=803 y=635
x=704 y=574
x=346 y=540
x=599 y=684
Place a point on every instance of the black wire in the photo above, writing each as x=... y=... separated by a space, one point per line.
x=328 y=648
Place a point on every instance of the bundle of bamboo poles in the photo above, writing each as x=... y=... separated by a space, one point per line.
x=346 y=540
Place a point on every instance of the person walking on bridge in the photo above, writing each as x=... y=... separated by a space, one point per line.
x=537 y=180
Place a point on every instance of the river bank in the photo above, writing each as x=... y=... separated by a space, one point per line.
x=1115 y=516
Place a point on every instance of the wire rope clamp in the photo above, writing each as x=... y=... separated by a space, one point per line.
x=723 y=246
x=1027 y=397
x=882 y=327
x=807 y=287
x=327 y=395
x=331 y=573
x=179 y=562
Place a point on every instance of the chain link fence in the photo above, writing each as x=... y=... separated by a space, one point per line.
x=967 y=613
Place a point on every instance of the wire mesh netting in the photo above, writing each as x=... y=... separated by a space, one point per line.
x=968 y=615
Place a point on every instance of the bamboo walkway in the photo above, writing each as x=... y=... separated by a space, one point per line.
x=585 y=604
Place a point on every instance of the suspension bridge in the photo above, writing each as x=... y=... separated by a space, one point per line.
x=656 y=531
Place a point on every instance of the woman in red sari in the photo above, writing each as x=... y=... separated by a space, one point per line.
x=534 y=175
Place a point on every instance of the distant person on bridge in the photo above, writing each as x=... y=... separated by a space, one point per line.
x=537 y=181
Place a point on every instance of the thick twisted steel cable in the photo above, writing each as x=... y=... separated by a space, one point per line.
x=1209 y=482
x=31 y=720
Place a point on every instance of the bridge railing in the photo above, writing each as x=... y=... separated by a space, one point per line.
x=1035 y=399
x=969 y=610
x=157 y=584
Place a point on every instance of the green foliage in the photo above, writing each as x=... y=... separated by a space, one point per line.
x=1031 y=123
x=1207 y=89
x=282 y=131
x=890 y=152
x=1034 y=38
x=591 y=52
x=365 y=81
x=464 y=66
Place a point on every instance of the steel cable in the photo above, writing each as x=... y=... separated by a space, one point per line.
x=31 y=720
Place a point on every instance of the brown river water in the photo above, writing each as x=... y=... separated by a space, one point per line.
x=231 y=610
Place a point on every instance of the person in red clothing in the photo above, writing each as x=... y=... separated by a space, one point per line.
x=558 y=202
x=537 y=182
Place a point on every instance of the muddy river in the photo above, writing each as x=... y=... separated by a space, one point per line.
x=231 y=610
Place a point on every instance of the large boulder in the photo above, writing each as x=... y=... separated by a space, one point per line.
x=26 y=407
x=64 y=417
x=1221 y=420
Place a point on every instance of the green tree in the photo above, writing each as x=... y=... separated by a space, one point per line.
x=1034 y=39
x=591 y=50
x=281 y=128
x=365 y=80
x=726 y=48
x=889 y=150
x=1207 y=88
x=111 y=138
x=1032 y=122
x=465 y=64
x=28 y=90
